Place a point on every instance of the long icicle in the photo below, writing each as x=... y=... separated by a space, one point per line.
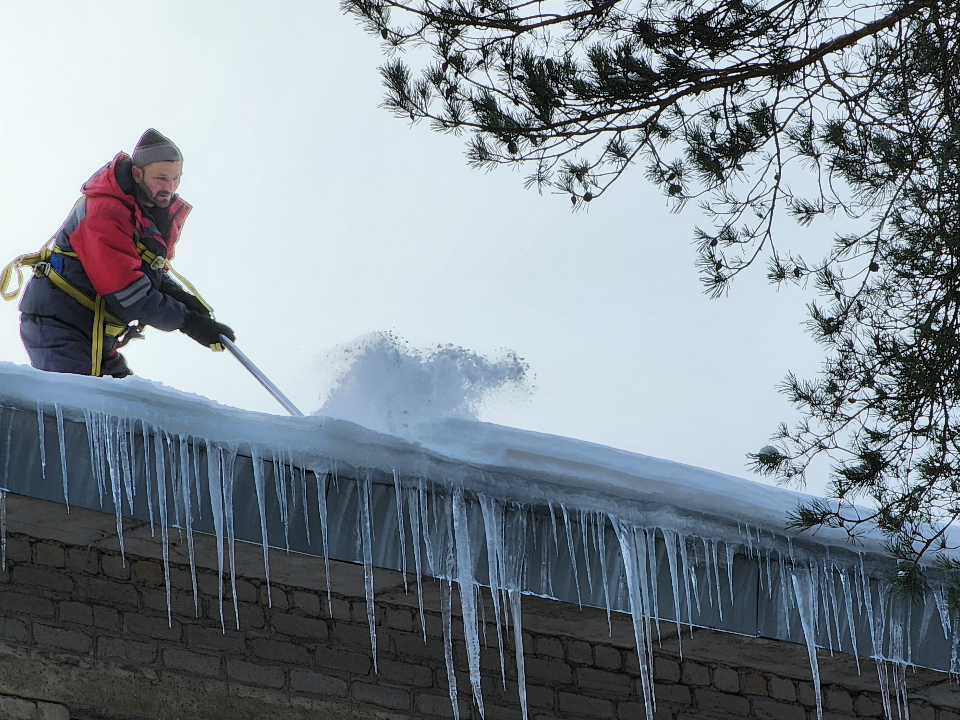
x=145 y=431
x=468 y=596
x=3 y=530
x=229 y=463
x=493 y=529
x=322 y=511
x=364 y=490
x=631 y=560
x=214 y=465
x=446 y=613
x=403 y=540
x=805 y=592
x=260 y=482
x=188 y=516
x=159 y=451
x=413 y=510
x=41 y=425
x=116 y=486
x=63 y=454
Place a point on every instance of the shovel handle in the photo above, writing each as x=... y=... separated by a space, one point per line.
x=255 y=371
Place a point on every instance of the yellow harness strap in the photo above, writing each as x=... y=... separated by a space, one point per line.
x=15 y=267
x=158 y=261
x=104 y=322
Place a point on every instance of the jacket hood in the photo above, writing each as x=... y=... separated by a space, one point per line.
x=104 y=182
x=116 y=180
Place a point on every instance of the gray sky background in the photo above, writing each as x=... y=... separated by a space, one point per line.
x=319 y=218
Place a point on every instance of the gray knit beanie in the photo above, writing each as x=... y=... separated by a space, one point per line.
x=154 y=147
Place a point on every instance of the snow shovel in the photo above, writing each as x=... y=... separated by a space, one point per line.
x=255 y=371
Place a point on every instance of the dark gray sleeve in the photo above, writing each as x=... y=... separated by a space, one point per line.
x=142 y=302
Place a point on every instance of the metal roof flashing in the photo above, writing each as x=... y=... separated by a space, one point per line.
x=473 y=504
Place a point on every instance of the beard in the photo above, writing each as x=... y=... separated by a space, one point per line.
x=144 y=194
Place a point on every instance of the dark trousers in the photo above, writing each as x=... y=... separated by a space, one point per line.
x=55 y=346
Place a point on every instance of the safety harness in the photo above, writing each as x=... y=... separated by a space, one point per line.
x=105 y=323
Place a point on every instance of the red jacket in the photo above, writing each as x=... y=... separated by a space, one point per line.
x=103 y=229
x=113 y=216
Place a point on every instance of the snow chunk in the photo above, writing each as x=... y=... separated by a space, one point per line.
x=386 y=384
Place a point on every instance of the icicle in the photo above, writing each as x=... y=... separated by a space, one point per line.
x=898 y=665
x=195 y=452
x=188 y=516
x=514 y=596
x=944 y=613
x=124 y=452
x=730 y=551
x=831 y=589
x=707 y=573
x=260 y=482
x=642 y=553
x=650 y=540
x=546 y=567
x=820 y=600
x=493 y=532
x=884 y=677
x=461 y=531
x=228 y=460
x=403 y=539
x=146 y=471
x=3 y=530
x=424 y=518
x=113 y=462
x=553 y=524
x=280 y=481
x=214 y=469
x=689 y=580
x=769 y=576
x=785 y=596
x=803 y=587
x=908 y=640
x=570 y=549
x=364 y=490
x=631 y=564
x=670 y=543
x=6 y=453
x=92 y=422
x=413 y=510
x=584 y=522
x=602 y=550
x=159 y=450
x=174 y=484
x=446 y=612
x=43 y=444
x=900 y=681
x=716 y=576
x=851 y=626
x=303 y=492
x=63 y=454
x=873 y=626
x=815 y=579
x=322 y=511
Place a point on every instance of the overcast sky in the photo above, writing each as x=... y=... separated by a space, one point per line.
x=319 y=218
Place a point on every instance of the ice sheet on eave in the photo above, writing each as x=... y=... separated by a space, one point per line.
x=654 y=508
x=517 y=464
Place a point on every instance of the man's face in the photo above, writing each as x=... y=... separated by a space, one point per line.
x=157 y=182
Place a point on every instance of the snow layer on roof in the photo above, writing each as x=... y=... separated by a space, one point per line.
x=488 y=487
x=552 y=467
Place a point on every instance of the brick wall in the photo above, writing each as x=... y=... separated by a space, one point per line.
x=84 y=635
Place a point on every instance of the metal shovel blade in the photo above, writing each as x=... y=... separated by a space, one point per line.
x=255 y=371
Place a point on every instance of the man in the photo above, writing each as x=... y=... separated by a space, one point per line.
x=106 y=276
